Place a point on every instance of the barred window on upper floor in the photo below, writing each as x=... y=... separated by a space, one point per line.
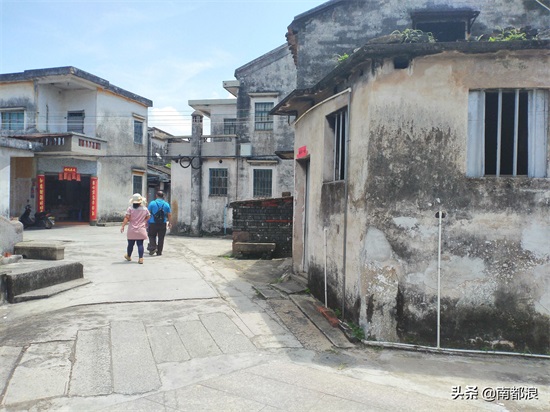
x=12 y=119
x=507 y=133
x=262 y=119
x=138 y=131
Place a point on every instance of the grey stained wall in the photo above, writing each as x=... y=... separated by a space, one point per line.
x=408 y=157
x=340 y=26
x=272 y=73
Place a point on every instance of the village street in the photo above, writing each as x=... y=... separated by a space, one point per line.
x=187 y=331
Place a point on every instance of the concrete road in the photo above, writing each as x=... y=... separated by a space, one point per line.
x=187 y=332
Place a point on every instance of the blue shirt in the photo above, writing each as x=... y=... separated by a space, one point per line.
x=155 y=205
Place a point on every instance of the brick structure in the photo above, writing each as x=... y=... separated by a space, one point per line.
x=264 y=221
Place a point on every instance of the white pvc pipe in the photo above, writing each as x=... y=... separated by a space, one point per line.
x=325 y=233
x=408 y=346
x=439 y=283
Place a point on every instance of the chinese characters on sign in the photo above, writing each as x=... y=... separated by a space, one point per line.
x=69 y=173
x=495 y=394
x=93 y=198
x=41 y=189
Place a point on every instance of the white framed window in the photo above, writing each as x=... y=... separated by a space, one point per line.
x=12 y=119
x=75 y=121
x=262 y=182
x=337 y=138
x=218 y=182
x=507 y=133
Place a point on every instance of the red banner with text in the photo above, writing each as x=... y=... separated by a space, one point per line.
x=41 y=193
x=93 y=198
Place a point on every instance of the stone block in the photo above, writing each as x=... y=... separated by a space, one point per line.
x=40 y=251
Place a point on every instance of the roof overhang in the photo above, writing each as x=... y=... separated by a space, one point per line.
x=301 y=100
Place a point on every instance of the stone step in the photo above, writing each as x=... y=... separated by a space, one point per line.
x=31 y=275
x=50 y=290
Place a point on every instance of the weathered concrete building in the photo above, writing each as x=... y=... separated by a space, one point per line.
x=400 y=134
x=158 y=164
x=318 y=36
x=245 y=155
x=84 y=141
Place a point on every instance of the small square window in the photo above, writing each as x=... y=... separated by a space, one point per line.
x=229 y=126
x=75 y=122
x=218 y=182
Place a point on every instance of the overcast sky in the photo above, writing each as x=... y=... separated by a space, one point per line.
x=167 y=51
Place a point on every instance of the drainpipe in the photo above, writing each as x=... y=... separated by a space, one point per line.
x=346 y=189
x=440 y=215
x=325 y=233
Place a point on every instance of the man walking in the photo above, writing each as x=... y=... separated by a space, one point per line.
x=160 y=215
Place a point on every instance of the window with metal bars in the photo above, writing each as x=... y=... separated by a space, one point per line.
x=337 y=123
x=13 y=120
x=137 y=183
x=218 y=182
x=262 y=183
x=229 y=126
x=75 y=121
x=507 y=133
x=138 y=131
x=262 y=119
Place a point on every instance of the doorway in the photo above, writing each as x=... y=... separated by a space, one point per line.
x=68 y=200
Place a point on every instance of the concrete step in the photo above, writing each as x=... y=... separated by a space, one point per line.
x=310 y=307
x=31 y=275
x=50 y=290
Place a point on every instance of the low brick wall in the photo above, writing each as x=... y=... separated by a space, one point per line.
x=264 y=221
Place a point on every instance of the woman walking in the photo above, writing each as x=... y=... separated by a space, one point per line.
x=136 y=217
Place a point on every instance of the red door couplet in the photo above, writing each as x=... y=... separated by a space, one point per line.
x=93 y=199
x=41 y=193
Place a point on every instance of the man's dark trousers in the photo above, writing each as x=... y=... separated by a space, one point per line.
x=156 y=230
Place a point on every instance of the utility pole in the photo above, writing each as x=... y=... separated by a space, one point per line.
x=196 y=174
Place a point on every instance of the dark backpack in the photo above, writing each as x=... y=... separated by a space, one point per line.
x=158 y=217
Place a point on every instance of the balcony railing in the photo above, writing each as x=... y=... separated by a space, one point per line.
x=73 y=144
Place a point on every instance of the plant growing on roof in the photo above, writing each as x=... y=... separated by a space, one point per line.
x=341 y=58
x=508 y=34
x=414 y=36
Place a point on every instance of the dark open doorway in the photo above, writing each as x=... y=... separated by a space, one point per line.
x=68 y=200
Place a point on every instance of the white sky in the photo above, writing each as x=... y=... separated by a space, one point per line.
x=166 y=51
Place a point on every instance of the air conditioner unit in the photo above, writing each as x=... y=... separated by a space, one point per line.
x=246 y=149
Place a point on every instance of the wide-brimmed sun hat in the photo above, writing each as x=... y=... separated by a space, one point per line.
x=137 y=198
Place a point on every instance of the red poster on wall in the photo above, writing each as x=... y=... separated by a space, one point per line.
x=41 y=193
x=93 y=198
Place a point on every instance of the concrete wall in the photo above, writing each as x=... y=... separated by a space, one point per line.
x=275 y=75
x=342 y=26
x=11 y=233
x=408 y=153
x=115 y=123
